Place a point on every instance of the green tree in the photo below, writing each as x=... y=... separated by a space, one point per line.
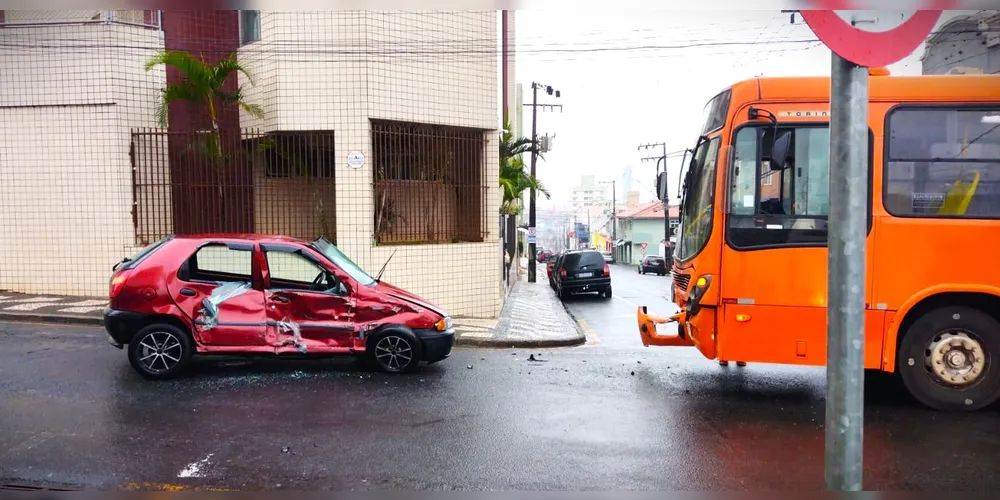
x=514 y=176
x=202 y=86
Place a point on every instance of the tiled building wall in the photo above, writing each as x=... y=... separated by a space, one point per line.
x=339 y=70
x=69 y=95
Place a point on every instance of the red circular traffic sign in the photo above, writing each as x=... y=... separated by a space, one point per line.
x=867 y=47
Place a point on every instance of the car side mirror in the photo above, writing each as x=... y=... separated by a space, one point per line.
x=779 y=151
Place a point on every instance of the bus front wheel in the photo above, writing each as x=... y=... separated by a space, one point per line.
x=948 y=359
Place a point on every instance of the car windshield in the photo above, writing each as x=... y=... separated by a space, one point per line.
x=577 y=260
x=343 y=262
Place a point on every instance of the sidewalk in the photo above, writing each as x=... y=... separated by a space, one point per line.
x=532 y=317
x=51 y=308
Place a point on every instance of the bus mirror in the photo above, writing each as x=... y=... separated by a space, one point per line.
x=661 y=186
x=779 y=151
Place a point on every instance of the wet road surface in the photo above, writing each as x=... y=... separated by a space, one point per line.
x=610 y=415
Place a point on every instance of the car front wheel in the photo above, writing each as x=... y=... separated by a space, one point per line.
x=160 y=351
x=395 y=351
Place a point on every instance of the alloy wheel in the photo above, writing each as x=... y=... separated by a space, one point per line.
x=160 y=352
x=394 y=352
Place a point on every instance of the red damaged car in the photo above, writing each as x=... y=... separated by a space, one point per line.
x=264 y=295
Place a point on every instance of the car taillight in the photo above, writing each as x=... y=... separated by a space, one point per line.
x=607 y=270
x=562 y=273
x=118 y=283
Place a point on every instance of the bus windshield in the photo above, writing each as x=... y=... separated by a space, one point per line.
x=696 y=212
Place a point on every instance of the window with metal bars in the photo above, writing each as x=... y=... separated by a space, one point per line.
x=428 y=182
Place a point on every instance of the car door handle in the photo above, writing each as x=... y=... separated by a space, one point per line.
x=279 y=298
x=188 y=292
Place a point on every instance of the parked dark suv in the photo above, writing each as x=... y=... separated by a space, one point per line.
x=582 y=271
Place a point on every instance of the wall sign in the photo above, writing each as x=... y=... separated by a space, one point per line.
x=355 y=159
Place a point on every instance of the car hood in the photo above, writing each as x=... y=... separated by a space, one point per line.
x=401 y=294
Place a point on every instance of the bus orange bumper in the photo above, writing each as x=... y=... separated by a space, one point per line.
x=647 y=329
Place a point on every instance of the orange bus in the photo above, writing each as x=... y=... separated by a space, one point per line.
x=750 y=267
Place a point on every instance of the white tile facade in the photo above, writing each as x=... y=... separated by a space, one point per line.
x=69 y=95
x=339 y=69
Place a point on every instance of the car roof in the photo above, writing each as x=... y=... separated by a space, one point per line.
x=262 y=238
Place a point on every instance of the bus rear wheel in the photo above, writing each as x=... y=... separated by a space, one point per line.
x=948 y=359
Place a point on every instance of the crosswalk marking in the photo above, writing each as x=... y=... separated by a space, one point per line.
x=86 y=303
x=81 y=310
x=31 y=300
x=31 y=306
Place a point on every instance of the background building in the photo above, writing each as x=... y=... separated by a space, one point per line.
x=588 y=193
x=964 y=45
x=88 y=177
x=642 y=226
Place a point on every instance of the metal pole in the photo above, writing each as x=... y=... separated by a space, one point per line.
x=534 y=155
x=666 y=207
x=846 y=274
x=614 y=211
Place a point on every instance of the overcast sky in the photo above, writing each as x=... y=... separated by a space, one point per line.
x=629 y=78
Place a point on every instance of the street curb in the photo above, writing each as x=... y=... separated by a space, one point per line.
x=580 y=339
x=64 y=319
x=519 y=344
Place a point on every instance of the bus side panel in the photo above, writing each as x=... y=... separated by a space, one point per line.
x=917 y=254
x=778 y=334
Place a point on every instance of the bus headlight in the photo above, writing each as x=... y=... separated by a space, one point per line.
x=697 y=292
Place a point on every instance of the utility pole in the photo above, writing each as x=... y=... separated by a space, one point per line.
x=576 y=235
x=666 y=199
x=614 y=212
x=534 y=155
x=666 y=202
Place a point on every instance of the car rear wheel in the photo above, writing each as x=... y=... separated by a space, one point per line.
x=607 y=293
x=948 y=359
x=160 y=351
x=395 y=351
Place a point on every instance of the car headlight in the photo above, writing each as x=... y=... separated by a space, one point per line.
x=443 y=324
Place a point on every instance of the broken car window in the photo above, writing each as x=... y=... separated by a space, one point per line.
x=343 y=262
x=220 y=264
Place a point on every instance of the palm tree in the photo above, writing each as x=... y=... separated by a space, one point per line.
x=514 y=178
x=203 y=85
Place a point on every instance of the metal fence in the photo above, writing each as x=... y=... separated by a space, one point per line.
x=188 y=182
x=144 y=18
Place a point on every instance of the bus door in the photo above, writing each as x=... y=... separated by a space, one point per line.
x=774 y=259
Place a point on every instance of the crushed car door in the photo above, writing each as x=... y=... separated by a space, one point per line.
x=310 y=307
x=215 y=287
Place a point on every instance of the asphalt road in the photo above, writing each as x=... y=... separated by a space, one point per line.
x=608 y=415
